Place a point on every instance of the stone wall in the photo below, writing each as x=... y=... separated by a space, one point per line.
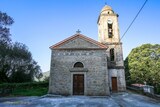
x=78 y=43
x=119 y=73
x=118 y=54
x=103 y=30
x=96 y=76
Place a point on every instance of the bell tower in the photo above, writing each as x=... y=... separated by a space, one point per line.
x=108 y=28
x=108 y=34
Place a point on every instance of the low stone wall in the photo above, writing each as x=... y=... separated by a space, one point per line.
x=141 y=91
x=138 y=90
x=5 y=91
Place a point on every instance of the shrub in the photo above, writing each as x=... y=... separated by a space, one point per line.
x=32 y=88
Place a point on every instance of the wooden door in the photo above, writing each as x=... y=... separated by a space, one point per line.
x=78 y=84
x=114 y=84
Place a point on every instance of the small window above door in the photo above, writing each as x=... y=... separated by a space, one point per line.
x=78 y=65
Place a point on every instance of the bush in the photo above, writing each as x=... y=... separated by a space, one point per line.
x=23 y=89
x=157 y=90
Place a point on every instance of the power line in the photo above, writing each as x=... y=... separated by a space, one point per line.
x=134 y=19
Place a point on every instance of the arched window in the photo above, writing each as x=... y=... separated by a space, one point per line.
x=78 y=64
x=110 y=30
x=112 y=54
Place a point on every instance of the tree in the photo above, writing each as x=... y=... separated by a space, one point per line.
x=16 y=62
x=143 y=65
x=5 y=21
x=23 y=67
x=5 y=40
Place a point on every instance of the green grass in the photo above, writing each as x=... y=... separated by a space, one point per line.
x=24 y=89
x=37 y=91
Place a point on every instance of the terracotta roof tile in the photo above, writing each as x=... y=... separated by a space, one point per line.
x=57 y=45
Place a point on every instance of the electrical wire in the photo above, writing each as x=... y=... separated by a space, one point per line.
x=134 y=19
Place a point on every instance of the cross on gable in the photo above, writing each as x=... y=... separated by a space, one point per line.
x=78 y=31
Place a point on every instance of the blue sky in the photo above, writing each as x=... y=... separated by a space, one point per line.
x=42 y=23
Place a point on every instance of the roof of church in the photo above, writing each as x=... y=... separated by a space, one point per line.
x=100 y=45
x=106 y=7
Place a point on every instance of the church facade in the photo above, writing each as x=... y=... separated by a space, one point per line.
x=83 y=66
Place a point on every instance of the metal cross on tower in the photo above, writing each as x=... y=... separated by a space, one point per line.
x=78 y=31
x=105 y=2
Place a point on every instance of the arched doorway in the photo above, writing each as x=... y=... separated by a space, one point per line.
x=78 y=81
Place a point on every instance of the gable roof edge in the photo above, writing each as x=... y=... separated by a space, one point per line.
x=100 y=45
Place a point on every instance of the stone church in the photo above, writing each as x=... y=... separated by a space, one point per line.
x=83 y=66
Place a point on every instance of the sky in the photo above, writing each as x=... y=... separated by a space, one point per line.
x=42 y=23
